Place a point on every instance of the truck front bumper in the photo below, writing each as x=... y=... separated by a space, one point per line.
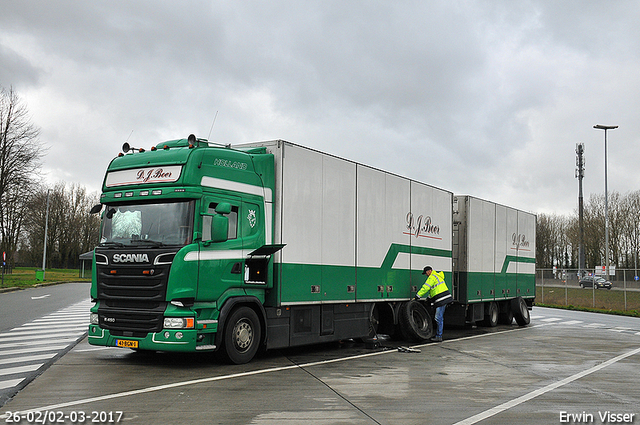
x=183 y=340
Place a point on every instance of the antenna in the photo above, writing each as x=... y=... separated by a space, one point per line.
x=212 y=124
x=126 y=147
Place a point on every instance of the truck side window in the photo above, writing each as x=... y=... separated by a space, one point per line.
x=233 y=222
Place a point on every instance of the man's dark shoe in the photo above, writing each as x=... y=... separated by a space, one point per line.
x=436 y=339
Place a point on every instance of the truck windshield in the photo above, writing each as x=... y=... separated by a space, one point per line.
x=168 y=223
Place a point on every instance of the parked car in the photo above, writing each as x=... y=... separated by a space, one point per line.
x=588 y=282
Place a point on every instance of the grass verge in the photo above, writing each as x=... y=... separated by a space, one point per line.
x=600 y=301
x=25 y=277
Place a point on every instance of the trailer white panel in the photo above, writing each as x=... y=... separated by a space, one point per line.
x=495 y=259
x=383 y=203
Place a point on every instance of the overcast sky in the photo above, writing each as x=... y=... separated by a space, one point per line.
x=487 y=98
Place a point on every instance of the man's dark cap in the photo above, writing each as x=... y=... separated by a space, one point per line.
x=426 y=269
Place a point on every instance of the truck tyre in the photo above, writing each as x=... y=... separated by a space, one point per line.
x=415 y=322
x=520 y=311
x=491 y=318
x=506 y=317
x=242 y=335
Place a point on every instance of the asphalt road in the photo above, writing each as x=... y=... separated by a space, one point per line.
x=22 y=306
x=564 y=363
x=37 y=327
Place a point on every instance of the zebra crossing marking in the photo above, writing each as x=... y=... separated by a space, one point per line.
x=594 y=325
x=26 y=348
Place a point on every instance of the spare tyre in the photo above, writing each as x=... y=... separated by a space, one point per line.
x=520 y=311
x=415 y=321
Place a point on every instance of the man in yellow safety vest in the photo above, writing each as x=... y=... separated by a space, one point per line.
x=438 y=294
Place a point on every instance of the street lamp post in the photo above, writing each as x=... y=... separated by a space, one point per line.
x=606 y=197
x=580 y=176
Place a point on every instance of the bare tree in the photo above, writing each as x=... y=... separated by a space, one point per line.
x=19 y=167
x=557 y=237
x=71 y=229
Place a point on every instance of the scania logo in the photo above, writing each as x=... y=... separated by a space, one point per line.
x=130 y=258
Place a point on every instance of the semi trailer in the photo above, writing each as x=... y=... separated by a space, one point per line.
x=265 y=245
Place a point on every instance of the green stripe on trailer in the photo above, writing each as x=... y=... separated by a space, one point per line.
x=315 y=283
x=513 y=259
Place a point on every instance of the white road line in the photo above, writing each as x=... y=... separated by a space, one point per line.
x=536 y=317
x=594 y=325
x=91 y=349
x=572 y=322
x=20 y=369
x=36 y=349
x=54 y=326
x=10 y=383
x=533 y=394
x=4 y=338
x=550 y=319
x=50 y=330
x=38 y=342
x=37 y=357
x=40 y=322
x=50 y=318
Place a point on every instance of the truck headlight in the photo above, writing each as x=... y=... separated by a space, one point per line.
x=93 y=319
x=179 y=322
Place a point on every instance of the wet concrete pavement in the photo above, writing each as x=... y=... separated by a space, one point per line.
x=564 y=361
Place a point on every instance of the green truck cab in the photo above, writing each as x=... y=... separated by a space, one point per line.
x=166 y=211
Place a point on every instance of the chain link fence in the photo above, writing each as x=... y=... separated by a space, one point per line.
x=566 y=287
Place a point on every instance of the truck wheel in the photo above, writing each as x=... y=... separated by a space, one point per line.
x=374 y=321
x=520 y=311
x=491 y=318
x=415 y=322
x=506 y=317
x=242 y=335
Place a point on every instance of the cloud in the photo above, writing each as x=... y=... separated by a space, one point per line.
x=483 y=98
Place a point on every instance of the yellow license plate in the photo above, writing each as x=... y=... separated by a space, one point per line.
x=126 y=343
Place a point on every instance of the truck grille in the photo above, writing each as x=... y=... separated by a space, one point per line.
x=129 y=283
x=131 y=322
x=132 y=303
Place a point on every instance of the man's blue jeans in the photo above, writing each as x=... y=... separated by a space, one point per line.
x=440 y=319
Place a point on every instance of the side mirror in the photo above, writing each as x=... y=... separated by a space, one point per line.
x=96 y=209
x=223 y=208
x=220 y=223
x=219 y=228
